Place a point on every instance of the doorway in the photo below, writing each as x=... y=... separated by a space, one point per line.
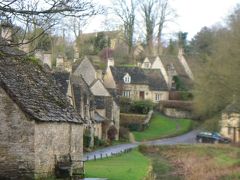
x=142 y=95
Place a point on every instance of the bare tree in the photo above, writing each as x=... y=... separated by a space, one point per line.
x=165 y=15
x=149 y=15
x=42 y=14
x=156 y=14
x=127 y=13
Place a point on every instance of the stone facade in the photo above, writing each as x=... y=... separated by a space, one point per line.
x=230 y=126
x=37 y=122
x=17 y=156
x=103 y=102
x=56 y=139
x=136 y=83
x=28 y=148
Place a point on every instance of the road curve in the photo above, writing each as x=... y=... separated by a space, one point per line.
x=188 y=138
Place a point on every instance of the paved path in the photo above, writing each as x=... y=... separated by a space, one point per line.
x=188 y=138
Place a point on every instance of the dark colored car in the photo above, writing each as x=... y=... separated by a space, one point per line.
x=211 y=137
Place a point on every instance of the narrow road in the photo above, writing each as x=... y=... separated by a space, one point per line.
x=188 y=138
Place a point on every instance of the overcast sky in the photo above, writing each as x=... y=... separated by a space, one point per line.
x=192 y=15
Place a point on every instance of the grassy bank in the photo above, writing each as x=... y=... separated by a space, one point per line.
x=161 y=126
x=130 y=166
x=195 y=161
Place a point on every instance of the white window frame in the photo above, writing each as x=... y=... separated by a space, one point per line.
x=127 y=79
x=126 y=94
x=157 y=97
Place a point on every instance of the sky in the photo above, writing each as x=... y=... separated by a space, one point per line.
x=192 y=15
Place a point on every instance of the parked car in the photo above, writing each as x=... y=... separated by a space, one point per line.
x=211 y=137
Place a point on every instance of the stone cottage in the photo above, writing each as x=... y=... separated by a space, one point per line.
x=105 y=103
x=80 y=96
x=173 y=69
x=136 y=83
x=230 y=122
x=38 y=126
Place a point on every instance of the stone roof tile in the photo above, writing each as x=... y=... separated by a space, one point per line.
x=33 y=88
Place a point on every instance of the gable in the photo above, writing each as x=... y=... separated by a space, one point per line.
x=86 y=70
x=146 y=63
x=157 y=64
x=98 y=89
x=108 y=79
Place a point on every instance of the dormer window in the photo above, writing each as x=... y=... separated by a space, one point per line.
x=127 y=78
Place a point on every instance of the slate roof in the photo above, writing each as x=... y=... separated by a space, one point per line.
x=61 y=78
x=79 y=87
x=153 y=78
x=100 y=102
x=136 y=73
x=33 y=89
x=156 y=80
x=181 y=73
x=98 y=118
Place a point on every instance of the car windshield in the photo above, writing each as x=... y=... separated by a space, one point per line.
x=217 y=134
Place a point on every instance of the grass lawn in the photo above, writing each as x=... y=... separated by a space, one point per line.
x=194 y=161
x=161 y=126
x=130 y=166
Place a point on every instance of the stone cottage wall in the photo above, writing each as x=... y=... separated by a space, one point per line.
x=16 y=141
x=228 y=123
x=56 y=139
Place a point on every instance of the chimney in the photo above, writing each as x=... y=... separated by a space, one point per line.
x=110 y=62
x=6 y=31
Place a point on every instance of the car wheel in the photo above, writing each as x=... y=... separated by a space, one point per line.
x=200 y=140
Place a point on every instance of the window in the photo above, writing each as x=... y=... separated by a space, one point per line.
x=127 y=78
x=147 y=65
x=157 y=97
x=126 y=93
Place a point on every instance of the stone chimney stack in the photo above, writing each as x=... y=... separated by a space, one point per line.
x=110 y=62
x=6 y=31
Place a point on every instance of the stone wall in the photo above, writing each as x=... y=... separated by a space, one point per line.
x=230 y=126
x=163 y=96
x=28 y=148
x=56 y=139
x=176 y=113
x=135 y=90
x=98 y=130
x=16 y=141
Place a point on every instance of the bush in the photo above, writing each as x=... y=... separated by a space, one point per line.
x=186 y=96
x=142 y=106
x=112 y=133
x=181 y=105
x=86 y=141
x=99 y=142
x=124 y=133
x=135 y=127
x=125 y=104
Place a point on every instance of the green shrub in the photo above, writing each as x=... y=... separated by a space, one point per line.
x=142 y=106
x=99 y=142
x=186 y=96
x=86 y=140
x=125 y=104
x=135 y=127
